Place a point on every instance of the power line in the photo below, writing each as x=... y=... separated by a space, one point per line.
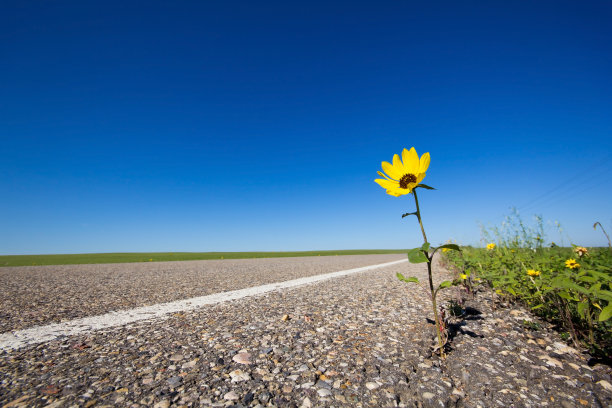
x=592 y=176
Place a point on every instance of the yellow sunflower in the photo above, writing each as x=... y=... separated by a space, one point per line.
x=572 y=264
x=404 y=174
x=490 y=246
x=532 y=272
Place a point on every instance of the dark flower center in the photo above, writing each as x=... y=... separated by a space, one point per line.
x=407 y=179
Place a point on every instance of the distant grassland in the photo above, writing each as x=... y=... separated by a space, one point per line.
x=71 y=259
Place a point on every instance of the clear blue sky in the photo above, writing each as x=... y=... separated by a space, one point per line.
x=231 y=126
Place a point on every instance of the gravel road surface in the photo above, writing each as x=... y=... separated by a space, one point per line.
x=35 y=295
x=357 y=341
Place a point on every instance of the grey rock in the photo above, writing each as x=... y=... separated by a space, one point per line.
x=264 y=397
x=231 y=396
x=174 y=381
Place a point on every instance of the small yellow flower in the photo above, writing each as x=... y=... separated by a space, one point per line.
x=404 y=174
x=581 y=251
x=532 y=272
x=499 y=292
x=572 y=264
x=491 y=246
x=463 y=276
x=445 y=249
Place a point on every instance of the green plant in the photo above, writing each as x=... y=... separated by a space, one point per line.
x=403 y=178
x=570 y=287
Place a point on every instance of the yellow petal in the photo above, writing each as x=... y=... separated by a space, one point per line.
x=381 y=174
x=411 y=161
x=398 y=166
x=387 y=184
x=391 y=170
x=424 y=163
x=420 y=177
x=396 y=192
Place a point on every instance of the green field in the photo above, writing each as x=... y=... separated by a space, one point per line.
x=71 y=259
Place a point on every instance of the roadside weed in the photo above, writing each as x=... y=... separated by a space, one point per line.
x=569 y=287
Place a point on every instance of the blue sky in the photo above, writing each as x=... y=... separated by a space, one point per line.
x=234 y=126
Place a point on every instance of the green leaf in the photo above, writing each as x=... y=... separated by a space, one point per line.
x=411 y=279
x=538 y=306
x=582 y=308
x=407 y=214
x=416 y=255
x=425 y=247
x=602 y=276
x=445 y=284
x=606 y=313
x=604 y=294
x=565 y=295
x=587 y=279
x=565 y=283
x=454 y=247
x=425 y=186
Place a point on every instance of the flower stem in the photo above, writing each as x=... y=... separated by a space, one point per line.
x=418 y=214
x=429 y=273
x=604 y=231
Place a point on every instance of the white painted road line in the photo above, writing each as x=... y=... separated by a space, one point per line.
x=20 y=338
